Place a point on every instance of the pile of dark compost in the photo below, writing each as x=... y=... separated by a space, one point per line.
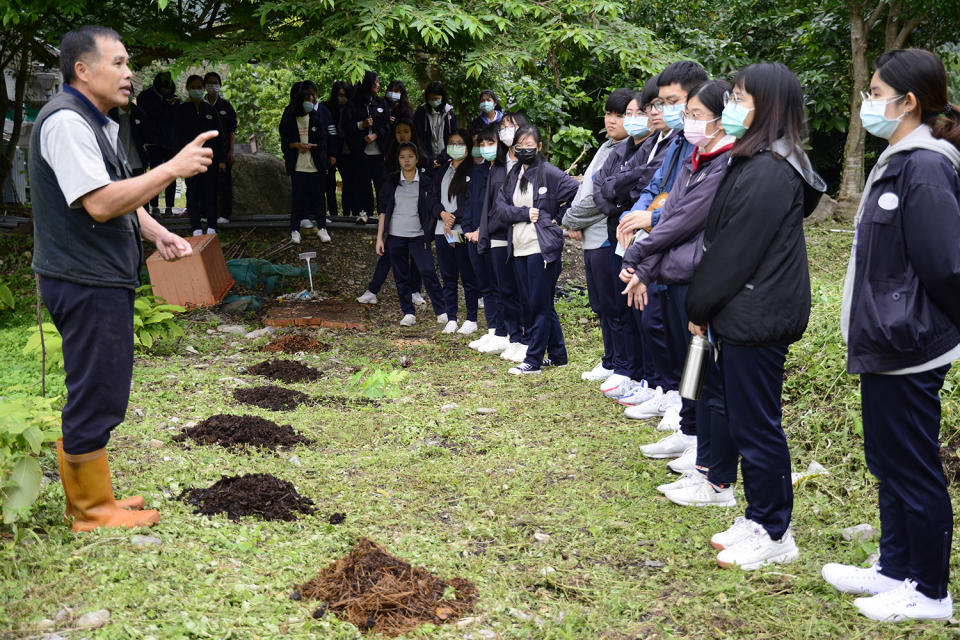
x=270 y=397
x=236 y=431
x=284 y=370
x=254 y=494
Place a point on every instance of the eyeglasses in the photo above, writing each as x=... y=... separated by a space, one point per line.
x=866 y=97
x=729 y=97
x=699 y=116
x=656 y=105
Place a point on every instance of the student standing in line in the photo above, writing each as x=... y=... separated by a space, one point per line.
x=192 y=118
x=399 y=102
x=160 y=102
x=402 y=132
x=434 y=121
x=452 y=254
x=900 y=318
x=588 y=224
x=617 y=186
x=339 y=92
x=228 y=118
x=751 y=292
x=307 y=138
x=408 y=206
x=660 y=372
x=668 y=256
x=366 y=125
x=490 y=112
x=532 y=202
x=484 y=152
x=134 y=128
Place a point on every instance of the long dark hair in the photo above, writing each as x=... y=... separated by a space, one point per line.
x=710 y=93
x=294 y=90
x=921 y=73
x=530 y=131
x=435 y=88
x=403 y=109
x=778 y=108
x=362 y=93
x=394 y=149
x=489 y=134
x=458 y=185
x=296 y=106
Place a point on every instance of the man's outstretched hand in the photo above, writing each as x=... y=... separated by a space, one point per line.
x=173 y=247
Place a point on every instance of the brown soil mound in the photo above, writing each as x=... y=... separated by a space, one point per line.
x=284 y=371
x=270 y=397
x=255 y=494
x=235 y=431
x=379 y=592
x=295 y=343
x=344 y=402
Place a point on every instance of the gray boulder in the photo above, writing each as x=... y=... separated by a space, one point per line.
x=260 y=185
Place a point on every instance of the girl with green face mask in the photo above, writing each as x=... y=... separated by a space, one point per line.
x=192 y=118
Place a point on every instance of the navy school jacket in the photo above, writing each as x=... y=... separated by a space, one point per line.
x=553 y=191
x=489 y=228
x=140 y=127
x=356 y=112
x=429 y=203
x=905 y=309
x=161 y=115
x=190 y=120
x=322 y=133
x=470 y=220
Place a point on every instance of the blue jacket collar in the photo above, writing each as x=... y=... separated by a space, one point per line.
x=102 y=119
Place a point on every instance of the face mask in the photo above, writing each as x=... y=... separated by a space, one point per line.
x=489 y=152
x=636 y=126
x=195 y=94
x=341 y=100
x=506 y=135
x=486 y=106
x=213 y=89
x=457 y=151
x=307 y=107
x=733 y=118
x=435 y=103
x=873 y=114
x=393 y=96
x=526 y=156
x=673 y=115
x=475 y=152
x=695 y=131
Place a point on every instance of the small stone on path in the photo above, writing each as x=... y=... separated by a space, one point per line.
x=93 y=619
x=231 y=328
x=448 y=407
x=142 y=542
x=859 y=533
x=486 y=411
x=155 y=444
x=541 y=537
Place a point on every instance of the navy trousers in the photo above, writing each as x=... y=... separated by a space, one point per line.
x=225 y=192
x=658 y=369
x=604 y=299
x=202 y=198
x=539 y=280
x=157 y=156
x=382 y=270
x=627 y=344
x=402 y=251
x=455 y=267
x=349 y=174
x=717 y=454
x=331 y=191
x=901 y=434
x=96 y=324
x=677 y=329
x=509 y=294
x=369 y=173
x=307 y=189
x=486 y=285
x=752 y=388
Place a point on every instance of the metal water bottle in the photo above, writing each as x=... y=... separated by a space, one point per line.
x=691 y=383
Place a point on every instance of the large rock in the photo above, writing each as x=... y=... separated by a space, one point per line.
x=260 y=185
x=824 y=211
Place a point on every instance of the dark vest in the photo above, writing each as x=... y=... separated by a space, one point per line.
x=69 y=244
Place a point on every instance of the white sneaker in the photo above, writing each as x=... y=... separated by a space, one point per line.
x=670 y=420
x=306 y=223
x=523 y=369
x=686 y=463
x=221 y=221
x=496 y=345
x=847 y=578
x=295 y=237
x=442 y=318
x=703 y=494
x=362 y=218
x=467 y=327
x=480 y=303
x=519 y=352
x=638 y=393
x=599 y=372
x=905 y=603
x=368 y=297
x=758 y=550
x=417 y=298
x=685 y=481
x=450 y=327
x=740 y=530
x=408 y=320
x=482 y=340
x=211 y=230
x=198 y=232
x=616 y=386
x=656 y=406
x=323 y=235
x=672 y=446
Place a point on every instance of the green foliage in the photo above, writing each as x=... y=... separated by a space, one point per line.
x=26 y=424
x=259 y=93
x=52 y=344
x=6 y=297
x=377 y=383
x=569 y=144
x=153 y=319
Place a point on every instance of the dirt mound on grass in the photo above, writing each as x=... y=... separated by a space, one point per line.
x=295 y=343
x=284 y=371
x=255 y=494
x=379 y=592
x=235 y=431
x=270 y=397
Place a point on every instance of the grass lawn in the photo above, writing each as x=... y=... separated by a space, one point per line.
x=458 y=491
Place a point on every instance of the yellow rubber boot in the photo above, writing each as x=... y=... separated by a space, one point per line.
x=86 y=483
x=133 y=502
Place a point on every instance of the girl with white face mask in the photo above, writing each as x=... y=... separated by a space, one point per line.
x=490 y=112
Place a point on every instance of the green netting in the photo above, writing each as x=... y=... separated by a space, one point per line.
x=261 y=275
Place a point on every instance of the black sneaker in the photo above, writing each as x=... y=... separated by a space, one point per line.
x=547 y=362
x=523 y=369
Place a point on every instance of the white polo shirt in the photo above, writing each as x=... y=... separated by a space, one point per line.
x=69 y=146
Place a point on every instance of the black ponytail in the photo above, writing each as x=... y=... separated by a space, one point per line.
x=458 y=186
x=530 y=131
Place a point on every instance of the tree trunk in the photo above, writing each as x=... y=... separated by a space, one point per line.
x=6 y=157
x=851 y=184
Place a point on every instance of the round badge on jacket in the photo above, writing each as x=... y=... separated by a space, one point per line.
x=888 y=201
